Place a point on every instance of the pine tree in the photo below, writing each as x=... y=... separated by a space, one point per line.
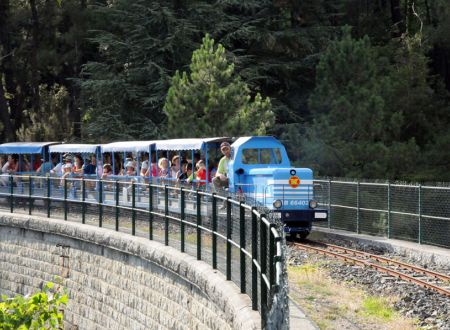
x=211 y=100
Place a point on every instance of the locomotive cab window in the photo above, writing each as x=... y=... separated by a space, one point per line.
x=261 y=156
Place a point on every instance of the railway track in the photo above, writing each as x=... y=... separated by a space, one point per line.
x=423 y=277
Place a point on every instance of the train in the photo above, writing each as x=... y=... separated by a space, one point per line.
x=258 y=170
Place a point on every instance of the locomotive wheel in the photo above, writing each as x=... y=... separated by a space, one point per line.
x=304 y=234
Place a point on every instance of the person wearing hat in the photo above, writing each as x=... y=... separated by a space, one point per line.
x=129 y=166
x=220 y=180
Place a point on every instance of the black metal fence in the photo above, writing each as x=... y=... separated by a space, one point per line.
x=233 y=237
x=413 y=212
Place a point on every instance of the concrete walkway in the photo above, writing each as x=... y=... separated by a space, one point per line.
x=297 y=318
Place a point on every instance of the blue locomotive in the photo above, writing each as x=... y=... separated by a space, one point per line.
x=260 y=169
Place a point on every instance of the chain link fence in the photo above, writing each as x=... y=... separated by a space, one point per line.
x=418 y=213
x=235 y=238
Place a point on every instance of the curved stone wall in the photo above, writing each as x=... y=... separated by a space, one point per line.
x=118 y=281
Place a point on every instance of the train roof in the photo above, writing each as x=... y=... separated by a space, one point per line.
x=24 y=147
x=74 y=148
x=187 y=144
x=257 y=142
x=128 y=146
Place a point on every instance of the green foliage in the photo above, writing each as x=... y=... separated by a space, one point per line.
x=41 y=310
x=371 y=117
x=52 y=123
x=212 y=101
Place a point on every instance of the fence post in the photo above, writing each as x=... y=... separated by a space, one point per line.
x=271 y=255
x=329 y=203
x=30 y=193
x=166 y=213
x=228 y=245
x=100 y=204
x=242 y=244
x=263 y=264
x=214 y=229
x=11 y=192
x=182 y=218
x=420 y=214
x=48 y=197
x=389 y=211
x=150 y=211
x=199 y=223
x=83 y=200
x=133 y=208
x=117 y=199
x=65 y=198
x=254 y=259
x=357 y=207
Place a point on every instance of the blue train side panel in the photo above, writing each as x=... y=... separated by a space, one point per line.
x=260 y=168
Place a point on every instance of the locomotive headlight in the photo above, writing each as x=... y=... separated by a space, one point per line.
x=277 y=203
x=312 y=204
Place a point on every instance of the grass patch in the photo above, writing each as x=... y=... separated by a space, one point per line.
x=337 y=305
x=378 y=307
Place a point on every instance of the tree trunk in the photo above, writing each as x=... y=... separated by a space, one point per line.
x=7 y=130
x=7 y=67
x=397 y=20
x=34 y=65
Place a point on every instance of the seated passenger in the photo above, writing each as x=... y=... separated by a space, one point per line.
x=45 y=168
x=107 y=171
x=78 y=166
x=163 y=167
x=130 y=169
x=90 y=168
x=144 y=164
x=200 y=175
x=10 y=168
x=175 y=166
x=67 y=172
x=220 y=180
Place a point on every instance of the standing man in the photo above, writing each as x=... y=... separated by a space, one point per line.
x=221 y=178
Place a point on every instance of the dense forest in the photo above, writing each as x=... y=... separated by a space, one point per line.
x=353 y=88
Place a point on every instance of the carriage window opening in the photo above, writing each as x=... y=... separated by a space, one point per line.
x=261 y=156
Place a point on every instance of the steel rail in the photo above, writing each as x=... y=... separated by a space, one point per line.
x=393 y=262
x=372 y=265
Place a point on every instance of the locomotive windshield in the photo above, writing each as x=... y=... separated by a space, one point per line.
x=261 y=156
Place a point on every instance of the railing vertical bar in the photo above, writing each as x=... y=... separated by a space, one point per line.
x=214 y=230
x=65 y=199
x=329 y=203
x=271 y=255
x=11 y=193
x=182 y=218
x=228 y=245
x=357 y=207
x=420 y=213
x=48 y=197
x=30 y=194
x=133 y=208
x=254 y=259
x=100 y=204
x=117 y=201
x=389 y=210
x=166 y=213
x=263 y=263
x=83 y=201
x=150 y=209
x=199 y=223
x=242 y=245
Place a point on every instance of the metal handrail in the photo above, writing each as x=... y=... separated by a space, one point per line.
x=268 y=236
